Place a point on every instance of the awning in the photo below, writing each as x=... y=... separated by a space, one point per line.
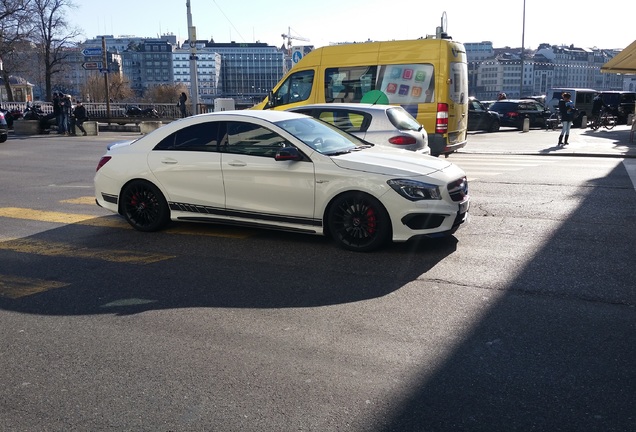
x=624 y=62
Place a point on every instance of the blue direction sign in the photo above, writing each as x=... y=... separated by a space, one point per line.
x=92 y=52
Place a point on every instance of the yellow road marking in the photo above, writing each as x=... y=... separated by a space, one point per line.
x=44 y=216
x=90 y=200
x=47 y=248
x=15 y=287
x=115 y=222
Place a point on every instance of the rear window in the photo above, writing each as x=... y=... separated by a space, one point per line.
x=402 y=120
x=503 y=106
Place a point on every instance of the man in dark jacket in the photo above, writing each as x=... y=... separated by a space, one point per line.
x=57 y=112
x=78 y=118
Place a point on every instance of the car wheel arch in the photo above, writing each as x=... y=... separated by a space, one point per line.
x=164 y=211
x=384 y=237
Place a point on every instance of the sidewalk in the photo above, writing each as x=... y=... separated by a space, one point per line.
x=582 y=142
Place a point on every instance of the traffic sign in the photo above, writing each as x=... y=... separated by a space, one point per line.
x=297 y=54
x=92 y=52
x=92 y=65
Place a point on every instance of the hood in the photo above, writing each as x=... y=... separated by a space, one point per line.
x=393 y=162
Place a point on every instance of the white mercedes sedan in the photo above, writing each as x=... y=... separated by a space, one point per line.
x=281 y=170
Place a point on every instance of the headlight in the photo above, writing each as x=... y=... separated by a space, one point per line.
x=414 y=190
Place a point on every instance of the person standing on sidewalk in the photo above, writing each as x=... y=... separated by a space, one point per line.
x=566 y=109
x=182 y=104
x=67 y=108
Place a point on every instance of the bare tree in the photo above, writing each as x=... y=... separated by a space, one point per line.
x=53 y=36
x=118 y=88
x=16 y=25
x=164 y=93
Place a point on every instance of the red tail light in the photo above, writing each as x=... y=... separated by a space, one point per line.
x=102 y=162
x=402 y=140
x=441 y=122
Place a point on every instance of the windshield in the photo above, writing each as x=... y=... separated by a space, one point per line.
x=322 y=137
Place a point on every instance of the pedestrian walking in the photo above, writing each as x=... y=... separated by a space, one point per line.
x=566 y=109
x=182 y=104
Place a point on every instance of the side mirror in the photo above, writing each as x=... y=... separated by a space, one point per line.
x=271 y=103
x=288 y=153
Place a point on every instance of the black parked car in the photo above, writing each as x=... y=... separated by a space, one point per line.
x=3 y=129
x=512 y=112
x=480 y=117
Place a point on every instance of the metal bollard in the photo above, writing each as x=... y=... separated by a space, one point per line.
x=526 y=124
x=584 y=122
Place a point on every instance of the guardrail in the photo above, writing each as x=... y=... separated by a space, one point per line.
x=99 y=111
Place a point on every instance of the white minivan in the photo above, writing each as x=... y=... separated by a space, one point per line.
x=582 y=98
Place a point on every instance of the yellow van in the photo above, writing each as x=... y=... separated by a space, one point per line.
x=428 y=77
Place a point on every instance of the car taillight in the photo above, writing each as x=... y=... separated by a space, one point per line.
x=441 y=121
x=402 y=140
x=102 y=162
x=512 y=114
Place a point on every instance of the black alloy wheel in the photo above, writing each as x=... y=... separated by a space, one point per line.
x=144 y=206
x=358 y=222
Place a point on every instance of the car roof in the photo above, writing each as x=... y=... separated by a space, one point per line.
x=349 y=106
x=516 y=100
x=269 y=115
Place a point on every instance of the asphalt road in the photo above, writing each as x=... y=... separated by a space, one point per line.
x=523 y=321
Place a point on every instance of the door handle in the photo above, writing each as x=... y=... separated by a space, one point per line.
x=169 y=161
x=237 y=163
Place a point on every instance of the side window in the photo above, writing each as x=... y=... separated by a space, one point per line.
x=202 y=137
x=296 y=88
x=347 y=121
x=253 y=140
x=349 y=84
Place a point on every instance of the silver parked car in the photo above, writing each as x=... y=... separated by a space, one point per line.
x=385 y=125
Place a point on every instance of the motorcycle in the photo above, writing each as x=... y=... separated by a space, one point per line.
x=135 y=111
x=11 y=115
x=34 y=112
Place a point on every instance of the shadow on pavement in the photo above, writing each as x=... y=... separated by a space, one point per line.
x=556 y=353
x=273 y=270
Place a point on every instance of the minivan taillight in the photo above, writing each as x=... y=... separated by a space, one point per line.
x=402 y=140
x=441 y=121
x=102 y=162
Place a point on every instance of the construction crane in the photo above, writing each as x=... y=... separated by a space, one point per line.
x=289 y=38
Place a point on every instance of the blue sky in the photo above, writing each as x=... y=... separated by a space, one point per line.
x=499 y=21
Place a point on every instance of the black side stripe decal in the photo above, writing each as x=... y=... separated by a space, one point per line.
x=200 y=209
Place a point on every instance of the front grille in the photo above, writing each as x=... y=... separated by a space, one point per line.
x=458 y=189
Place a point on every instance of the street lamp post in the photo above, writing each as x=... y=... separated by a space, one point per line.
x=523 y=36
x=192 y=39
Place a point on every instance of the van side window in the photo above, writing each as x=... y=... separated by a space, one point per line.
x=296 y=88
x=349 y=84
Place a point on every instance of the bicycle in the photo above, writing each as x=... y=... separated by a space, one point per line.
x=553 y=122
x=604 y=119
